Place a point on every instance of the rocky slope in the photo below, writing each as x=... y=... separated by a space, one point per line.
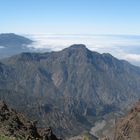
x=128 y=128
x=69 y=89
x=15 y=126
x=84 y=136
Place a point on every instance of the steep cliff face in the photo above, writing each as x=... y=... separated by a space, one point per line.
x=128 y=128
x=68 y=89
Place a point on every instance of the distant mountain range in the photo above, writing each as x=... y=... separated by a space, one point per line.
x=69 y=90
x=11 y=44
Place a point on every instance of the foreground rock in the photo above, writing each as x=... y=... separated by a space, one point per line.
x=128 y=128
x=15 y=125
x=105 y=138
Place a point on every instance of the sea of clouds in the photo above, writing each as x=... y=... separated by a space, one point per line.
x=125 y=47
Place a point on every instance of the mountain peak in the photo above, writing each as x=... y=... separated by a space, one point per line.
x=76 y=47
x=12 y=40
x=7 y=34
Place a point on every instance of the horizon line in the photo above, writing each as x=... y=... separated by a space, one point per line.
x=76 y=34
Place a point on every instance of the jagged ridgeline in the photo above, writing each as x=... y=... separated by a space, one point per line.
x=70 y=89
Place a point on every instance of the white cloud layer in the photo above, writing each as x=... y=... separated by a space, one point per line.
x=121 y=46
x=1 y=47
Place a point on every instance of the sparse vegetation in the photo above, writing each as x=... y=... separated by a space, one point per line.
x=8 y=138
x=5 y=138
x=86 y=137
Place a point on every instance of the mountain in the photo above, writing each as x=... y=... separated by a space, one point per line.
x=16 y=126
x=11 y=44
x=69 y=90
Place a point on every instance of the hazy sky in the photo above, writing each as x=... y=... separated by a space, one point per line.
x=70 y=16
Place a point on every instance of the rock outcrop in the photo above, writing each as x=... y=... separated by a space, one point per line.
x=105 y=138
x=128 y=128
x=15 y=125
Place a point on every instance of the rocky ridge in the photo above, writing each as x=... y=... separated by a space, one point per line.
x=15 y=125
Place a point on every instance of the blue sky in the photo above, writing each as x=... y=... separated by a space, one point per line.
x=70 y=16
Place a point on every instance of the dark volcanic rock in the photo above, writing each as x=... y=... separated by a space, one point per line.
x=15 y=125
